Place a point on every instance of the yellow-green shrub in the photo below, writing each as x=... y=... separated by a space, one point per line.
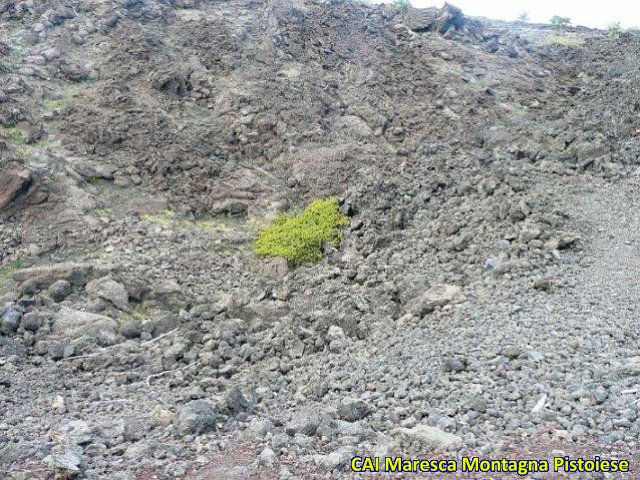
x=299 y=238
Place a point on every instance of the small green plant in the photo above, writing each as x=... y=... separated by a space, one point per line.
x=93 y=180
x=6 y=274
x=12 y=267
x=15 y=135
x=614 y=30
x=66 y=96
x=23 y=152
x=15 y=58
x=46 y=144
x=563 y=40
x=164 y=218
x=100 y=212
x=52 y=104
x=523 y=17
x=559 y=23
x=300 y=238
x=401 y=6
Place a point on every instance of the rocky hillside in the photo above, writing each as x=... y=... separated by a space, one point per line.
x=482 y=298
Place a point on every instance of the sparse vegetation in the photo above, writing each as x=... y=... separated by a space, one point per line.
x=15 y=58
x=560 y=37
x=46 y=144
x=15 y=135
x=163 y=218
x=65 y=97
x=401 y=6
x=52 y=104
x=523 y=17
x=23 y=152
x=6 y=274
x=300 y=238
x=100 y=212
x=169 y=218
x=212 y=225
x=614 y=30
x=93 y=180
x=563 y=40
x=559 y=23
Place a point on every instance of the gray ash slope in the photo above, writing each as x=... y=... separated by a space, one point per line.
x=143 y=141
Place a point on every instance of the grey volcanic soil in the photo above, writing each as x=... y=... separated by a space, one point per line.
x=484 y=299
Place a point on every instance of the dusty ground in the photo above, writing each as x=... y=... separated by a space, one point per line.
x=144 y=142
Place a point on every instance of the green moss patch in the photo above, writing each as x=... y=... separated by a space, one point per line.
x=299 y=238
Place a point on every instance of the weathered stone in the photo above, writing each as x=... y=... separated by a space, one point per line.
x=230 y=207
x=134 y=429
x=106 y=288
x=454 y=364
x=74 y=273
x=511 y=352
x=14 y=181
x=198 y=416
x=33 y=321
x=131 y=327
x=167 y=293
x=434 y=19
x=9 y=319
x=73 y=324
x=59 y=290
x=351 y=409
x=50 y=54
x=428 y=437
x=563 y=241
x=236 y=401
x=336 y=459
x=161 y=417
x=58 y=405
x=58 y=350
x=111 y=19
x=305 y=421
x=335 y=333
x=267 y=457
x=69 y=462
x=436 y=296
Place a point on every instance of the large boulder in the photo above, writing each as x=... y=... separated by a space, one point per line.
x=196 y=417
x=109 y=290
x=439 y=20
x=304 y=421
x=73 y=324
x=74 y=273
x=14 y=181
x=167 y=293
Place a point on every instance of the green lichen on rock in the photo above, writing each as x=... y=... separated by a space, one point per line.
x=300 y=238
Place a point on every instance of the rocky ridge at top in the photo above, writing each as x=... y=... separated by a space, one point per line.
x=142 y=142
